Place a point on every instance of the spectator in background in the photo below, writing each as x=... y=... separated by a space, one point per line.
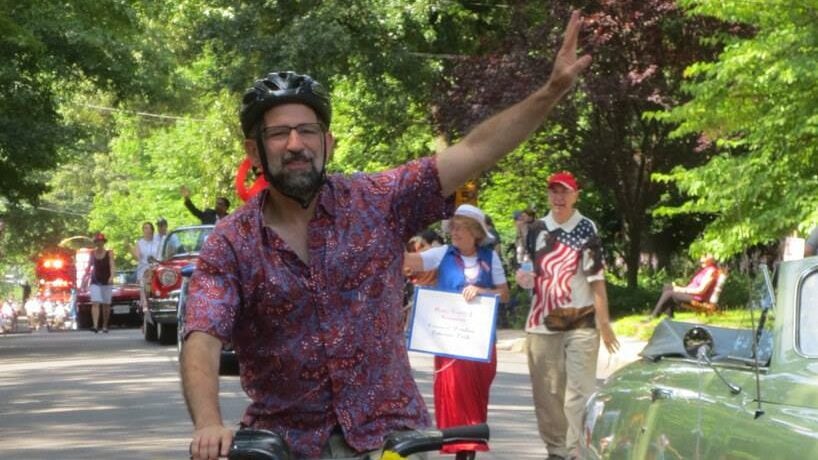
x=162 y=235
x=469 y=266
x=496 y=243
x=419 y=243
x=8 y=317
x=699 y=288
x=59 y=314
x=422 y=241
x=26 y=287
x=102 y=280
x=522 y=219
x=208 y=216
x=145 y=249
x=811 y=245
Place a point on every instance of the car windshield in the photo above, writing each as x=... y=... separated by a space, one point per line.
x=185 y=241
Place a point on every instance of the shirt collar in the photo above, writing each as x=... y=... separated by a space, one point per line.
x=326 y=201
x=566 y=226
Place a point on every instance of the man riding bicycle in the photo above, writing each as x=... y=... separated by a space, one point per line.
x=305 y=279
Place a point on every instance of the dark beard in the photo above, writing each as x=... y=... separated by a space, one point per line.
x=301 y=187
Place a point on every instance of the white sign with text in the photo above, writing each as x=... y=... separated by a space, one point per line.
x=444 y=324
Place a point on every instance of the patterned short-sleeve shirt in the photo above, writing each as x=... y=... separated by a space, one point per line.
x=320 y=345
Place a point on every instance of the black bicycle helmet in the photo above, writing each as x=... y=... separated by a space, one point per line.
x=281 y=88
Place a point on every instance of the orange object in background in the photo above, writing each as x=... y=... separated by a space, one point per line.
x=466 y=194
x=56 y=275
x=242 y=191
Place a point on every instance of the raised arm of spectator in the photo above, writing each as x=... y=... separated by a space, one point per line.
x=492 y=139
x=185 y=192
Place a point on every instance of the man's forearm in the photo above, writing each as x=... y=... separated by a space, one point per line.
x=601 y=303
x=200 y=379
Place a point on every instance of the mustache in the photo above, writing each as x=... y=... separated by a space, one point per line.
x=300 y=155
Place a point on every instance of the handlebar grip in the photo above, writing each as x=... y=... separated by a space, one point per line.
x=406 y=443
x=479 y=432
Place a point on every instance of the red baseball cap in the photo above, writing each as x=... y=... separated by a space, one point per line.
x=564 y=178
x=100 y=237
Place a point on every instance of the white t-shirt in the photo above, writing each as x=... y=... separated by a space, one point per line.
x=147 y=248
x=433 y=256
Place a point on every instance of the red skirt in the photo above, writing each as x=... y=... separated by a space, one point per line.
x=462 y=395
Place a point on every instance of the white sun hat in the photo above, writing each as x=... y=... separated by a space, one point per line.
x=473 y=212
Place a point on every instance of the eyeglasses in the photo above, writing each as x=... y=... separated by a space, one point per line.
x=309 y=132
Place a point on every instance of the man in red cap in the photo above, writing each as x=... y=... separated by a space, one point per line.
x=569 y=313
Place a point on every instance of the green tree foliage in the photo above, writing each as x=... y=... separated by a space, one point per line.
x=640 y=50
x=148 y=164
x=46 y=49
x=756 y=103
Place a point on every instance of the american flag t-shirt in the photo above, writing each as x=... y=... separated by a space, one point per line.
x=560 y=283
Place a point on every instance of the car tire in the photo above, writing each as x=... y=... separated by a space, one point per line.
x=166 y=334
x=149 y=330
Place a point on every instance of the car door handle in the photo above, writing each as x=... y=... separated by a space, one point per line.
x=660 y=393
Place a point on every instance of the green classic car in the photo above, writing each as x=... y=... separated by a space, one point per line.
x=702 y=392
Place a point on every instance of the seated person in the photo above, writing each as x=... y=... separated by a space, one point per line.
x=58 y=323
x=700 y=288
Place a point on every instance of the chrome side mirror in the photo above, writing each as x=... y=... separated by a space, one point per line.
x=697 y=341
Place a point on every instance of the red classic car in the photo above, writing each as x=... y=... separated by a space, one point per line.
x=162 y=281
x=124 y=301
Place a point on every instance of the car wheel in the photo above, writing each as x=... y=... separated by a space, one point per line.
x=149 y=329
x=167 y=334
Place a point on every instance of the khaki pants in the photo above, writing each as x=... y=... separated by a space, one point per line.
x=563 y=375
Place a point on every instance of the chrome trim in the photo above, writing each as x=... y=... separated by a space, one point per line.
x=796 y=319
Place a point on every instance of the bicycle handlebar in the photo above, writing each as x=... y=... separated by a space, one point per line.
x=411 y=442
x=267 y=445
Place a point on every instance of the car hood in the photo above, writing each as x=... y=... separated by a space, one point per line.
x=667 y=340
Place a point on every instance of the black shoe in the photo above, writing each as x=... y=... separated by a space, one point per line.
x=94 y=330
x=105 y=331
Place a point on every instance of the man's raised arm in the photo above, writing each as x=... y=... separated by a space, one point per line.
x=492 y=139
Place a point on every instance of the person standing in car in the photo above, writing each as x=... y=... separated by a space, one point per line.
x=208 y=216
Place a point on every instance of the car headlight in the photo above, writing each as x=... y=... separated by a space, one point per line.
x=168 y=278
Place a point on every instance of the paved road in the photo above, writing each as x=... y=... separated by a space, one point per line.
x=77 y=395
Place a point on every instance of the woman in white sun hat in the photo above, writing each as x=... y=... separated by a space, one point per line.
x=470 y=267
